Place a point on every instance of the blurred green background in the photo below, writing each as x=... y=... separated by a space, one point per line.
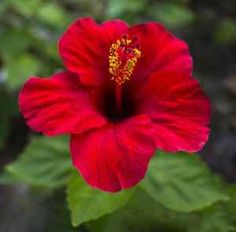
x=29 y=30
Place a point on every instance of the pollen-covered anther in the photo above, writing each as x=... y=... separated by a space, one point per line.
x=123 y=56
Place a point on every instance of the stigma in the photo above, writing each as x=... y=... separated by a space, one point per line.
x=123 y=56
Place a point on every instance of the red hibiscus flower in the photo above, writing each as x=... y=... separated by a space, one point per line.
x=127 y=91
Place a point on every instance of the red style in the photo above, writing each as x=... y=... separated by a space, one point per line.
x=127 y=91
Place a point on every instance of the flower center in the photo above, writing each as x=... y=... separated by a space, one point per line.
x=123 y=56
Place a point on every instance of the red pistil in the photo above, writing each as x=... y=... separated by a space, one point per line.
x=123 y=56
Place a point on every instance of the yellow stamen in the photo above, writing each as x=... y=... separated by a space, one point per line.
x=123 y=56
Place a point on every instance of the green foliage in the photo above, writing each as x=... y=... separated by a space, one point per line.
x=175 y=186
x=182 y=182
x=120 y=8
x=179 y=193
x=54 y=15
x=19 y=69
x=58 y=216
x=14 y=42
x=220 y=217
x=226 y=32
x=174 y=183
x=7 y=110
x=143 y=213
x=87 y=204
x=25 y=7
x=172 y=15
x=213 y=219
x=45 y=162
x=19 y=63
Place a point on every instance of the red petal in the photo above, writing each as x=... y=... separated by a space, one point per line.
x=115 y=156
x=85 y=45
x=161 y=51
x=179 y=110
x=58 y=105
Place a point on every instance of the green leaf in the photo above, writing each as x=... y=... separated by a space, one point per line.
x=53 y=14
x=88 y=204
x=226 y=32
x=220 y=217
x=45 y=162
x=19 y=69
x=182 y=182
x=142 y=213
x=14 y=42
x=172 y=15
x=25 y=7
x=117 y=8
x=2 y=8
x=213 y=219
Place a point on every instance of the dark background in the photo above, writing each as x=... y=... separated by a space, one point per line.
x=29 y=30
